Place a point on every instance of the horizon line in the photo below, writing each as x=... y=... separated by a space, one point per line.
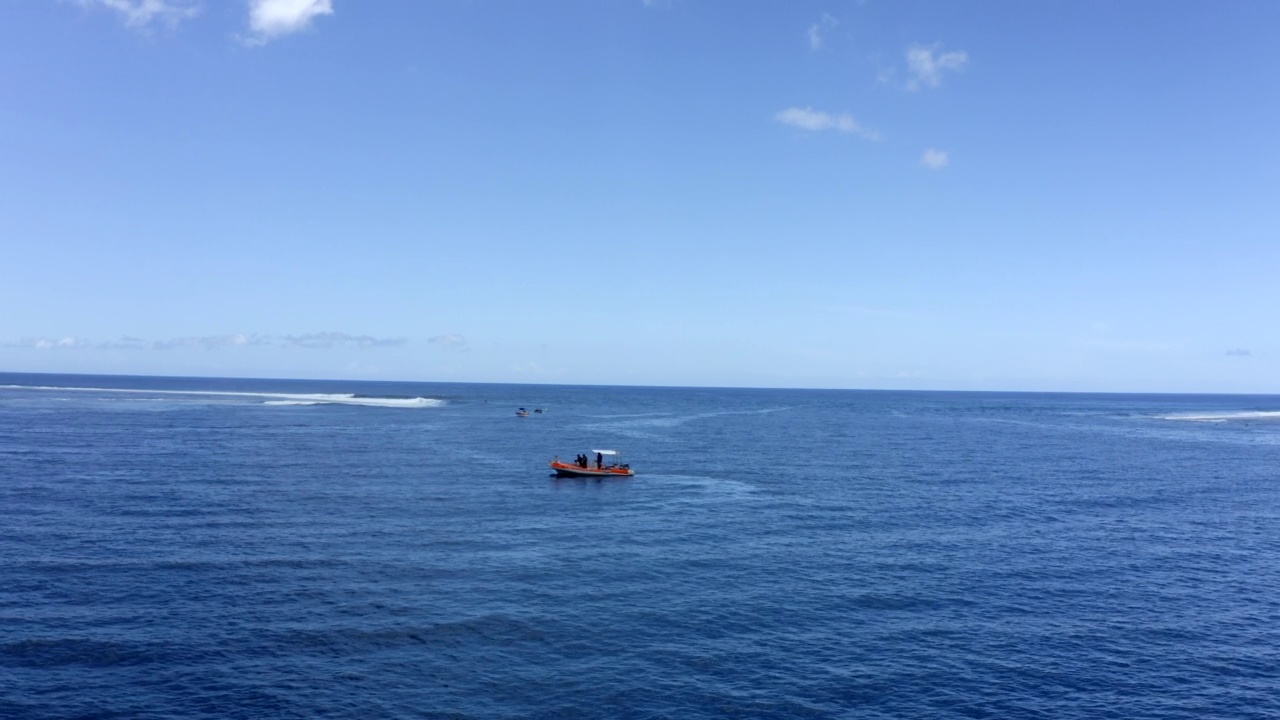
x=653 y=387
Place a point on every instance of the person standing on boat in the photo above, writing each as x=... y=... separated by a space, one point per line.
x=599 y=461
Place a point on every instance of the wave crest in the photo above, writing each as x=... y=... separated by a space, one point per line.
x=1226 y=416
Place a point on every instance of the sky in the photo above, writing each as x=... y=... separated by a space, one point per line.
x=997 y=195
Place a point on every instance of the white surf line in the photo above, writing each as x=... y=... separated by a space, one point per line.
x=1226 y=416
x=281 y=398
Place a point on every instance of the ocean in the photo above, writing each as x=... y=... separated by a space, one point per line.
x=222 y=548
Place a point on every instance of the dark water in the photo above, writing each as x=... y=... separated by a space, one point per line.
x=785 y=554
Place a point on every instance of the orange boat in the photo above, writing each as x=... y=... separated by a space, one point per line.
x=597 y=468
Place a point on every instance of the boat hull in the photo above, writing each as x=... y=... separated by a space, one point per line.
x=571 y=470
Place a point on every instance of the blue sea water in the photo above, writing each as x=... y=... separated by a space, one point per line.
x=186 y=548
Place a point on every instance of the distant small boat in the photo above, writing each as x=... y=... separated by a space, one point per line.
x=599 y=468
x=521 y=412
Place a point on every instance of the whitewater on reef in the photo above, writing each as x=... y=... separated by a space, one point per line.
x=271 y=398
x=192 y=547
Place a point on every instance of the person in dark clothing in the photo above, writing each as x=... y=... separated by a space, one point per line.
x=599 y=461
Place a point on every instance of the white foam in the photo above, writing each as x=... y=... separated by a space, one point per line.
x=273 y=398
x=291 y=402
x=1226 y=416
x=349 y=399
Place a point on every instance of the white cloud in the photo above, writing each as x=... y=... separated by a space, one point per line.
x=927 y=66
x=212 y=342
x=452 y=340
x=269 y=19
x=142 y=13
x=817 y=41
x=44 y=343
x=126 y=342
x=323 y=340
x=935 y=159
x=814 y=121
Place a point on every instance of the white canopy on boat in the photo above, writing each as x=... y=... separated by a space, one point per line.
x=605 y=452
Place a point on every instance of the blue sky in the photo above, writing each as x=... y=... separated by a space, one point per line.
x=994 y=195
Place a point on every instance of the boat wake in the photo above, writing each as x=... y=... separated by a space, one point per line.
x=1226 y=416
x=285 y=399
x=653 y=425
x=713 y=485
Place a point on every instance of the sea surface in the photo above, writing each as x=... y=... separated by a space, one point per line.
x=216 y=548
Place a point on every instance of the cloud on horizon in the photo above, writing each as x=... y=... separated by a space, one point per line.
x=211 y=342
x=44 y=343
x=927 y=65
x=935 y=159
x=324 y=340
x=320 y=340
x=1239 y=352
x=811 y=120
x=126 y=342
x=450 y=340
x=140 y=14
x=270 y=19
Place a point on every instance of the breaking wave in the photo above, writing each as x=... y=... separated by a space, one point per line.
x=1226 y=416
x=268 y=398
x=352 y=399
